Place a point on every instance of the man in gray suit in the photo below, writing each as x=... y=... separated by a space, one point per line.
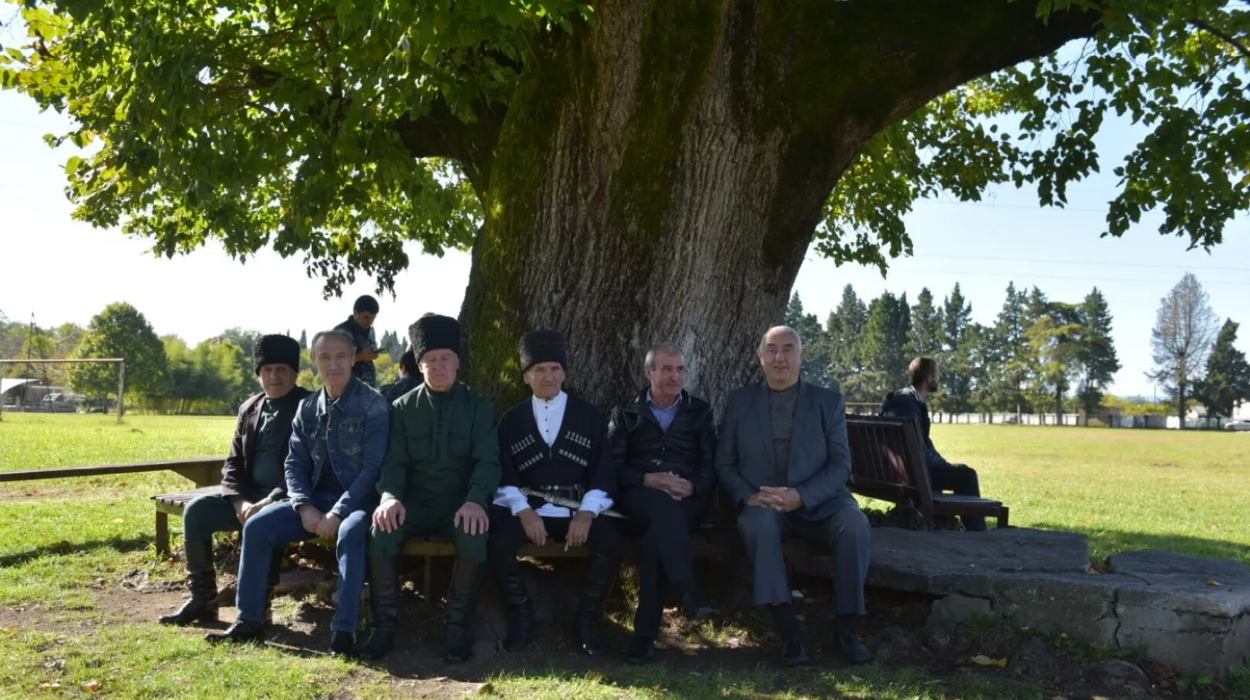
x=784 y=460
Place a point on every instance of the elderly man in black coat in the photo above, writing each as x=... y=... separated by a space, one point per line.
x=251 y=478
x=554 y=446
x=664 y=446
x=784 y=460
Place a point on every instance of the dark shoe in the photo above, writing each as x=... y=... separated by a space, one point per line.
x=850 y=648
x=379 y=644
x=696 y=607
x=600 y=578
x=241 y=632
x=466 y=579
x=194 y=610
x=384 y=602
x=641 y=651
x=202 y=580
x=793 y=653
x=520 y=609
x=342 y=644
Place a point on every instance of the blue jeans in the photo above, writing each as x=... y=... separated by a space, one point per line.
x=279 y=524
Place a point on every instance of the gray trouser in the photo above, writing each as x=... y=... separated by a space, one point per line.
x=846 y=533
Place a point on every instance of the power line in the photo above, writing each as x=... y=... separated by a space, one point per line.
x=1033 y=261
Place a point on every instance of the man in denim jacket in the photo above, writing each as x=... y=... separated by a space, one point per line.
x=338 y=440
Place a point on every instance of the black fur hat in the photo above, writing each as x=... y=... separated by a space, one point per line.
x=434 y=332
x=543 y=346
x=276 y=349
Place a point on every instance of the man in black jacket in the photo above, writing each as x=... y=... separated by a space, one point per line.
x=664 y=446
x=251 y=478
x=555 y=445
x=912 y=402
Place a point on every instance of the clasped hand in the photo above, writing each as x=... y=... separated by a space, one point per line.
x=669 y=483
x=325 y=525
x=782 y=499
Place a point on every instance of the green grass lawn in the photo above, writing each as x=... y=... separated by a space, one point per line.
x=1125 y=489
x=65 y=545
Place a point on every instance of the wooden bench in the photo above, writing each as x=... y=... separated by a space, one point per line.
x=204 y=472
x=888 y=463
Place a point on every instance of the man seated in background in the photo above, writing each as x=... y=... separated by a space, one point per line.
x=251 y=478
x=913 y=402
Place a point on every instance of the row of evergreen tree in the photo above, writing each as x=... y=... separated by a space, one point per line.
x=1039 y=355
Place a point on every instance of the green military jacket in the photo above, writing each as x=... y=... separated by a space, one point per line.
x=443 y=450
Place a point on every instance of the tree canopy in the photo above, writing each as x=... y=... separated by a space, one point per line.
x=120 y=330
x=337 y=131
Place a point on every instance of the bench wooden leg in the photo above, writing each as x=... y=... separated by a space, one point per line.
x=1002 y=517
x=162 y=534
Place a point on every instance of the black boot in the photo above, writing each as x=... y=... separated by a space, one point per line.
x=466 y=579
x=384 y=602
x=641 y=650
x=847 y=643
x=241 y=632
x=520 y=608
x=202 y=580
x=600 y=578
x=793 y=651
x=342 y=644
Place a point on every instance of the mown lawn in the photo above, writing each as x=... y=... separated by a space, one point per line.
x=66 y=544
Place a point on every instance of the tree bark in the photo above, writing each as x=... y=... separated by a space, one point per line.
x=659 y=173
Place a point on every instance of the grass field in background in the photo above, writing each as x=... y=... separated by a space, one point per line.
x=1126 y=489
x=65 y=544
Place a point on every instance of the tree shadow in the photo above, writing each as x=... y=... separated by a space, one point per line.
x=1119 y=541
x=122 y=545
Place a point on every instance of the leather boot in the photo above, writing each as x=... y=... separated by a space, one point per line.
x=384 y=602
x=847 y=643
x=520 y=608
x=202 y=580
x=600 y=578
x=466 y=579
x=241 y=632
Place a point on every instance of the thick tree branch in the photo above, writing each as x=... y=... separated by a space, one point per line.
x=906 y=52
x=1222 y=35
x=442 y=133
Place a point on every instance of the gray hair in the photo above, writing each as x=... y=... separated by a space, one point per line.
x=666 y=348
x=798 y=340
x=341 y=335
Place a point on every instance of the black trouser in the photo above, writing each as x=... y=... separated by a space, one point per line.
x=962 y=480
x=665 y=525
x=507 y=536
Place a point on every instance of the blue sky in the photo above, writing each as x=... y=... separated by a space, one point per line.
x=63 y=270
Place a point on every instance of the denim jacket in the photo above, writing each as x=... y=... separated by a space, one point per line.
x=349 y=437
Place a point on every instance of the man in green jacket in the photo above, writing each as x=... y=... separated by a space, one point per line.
x=440 y=472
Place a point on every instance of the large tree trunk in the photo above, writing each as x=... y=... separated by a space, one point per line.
x=660 y=173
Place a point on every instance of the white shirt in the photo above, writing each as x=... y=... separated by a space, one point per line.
x=549 y=416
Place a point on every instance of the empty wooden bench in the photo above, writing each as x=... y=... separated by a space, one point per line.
x=204 y=472
x=888 y=463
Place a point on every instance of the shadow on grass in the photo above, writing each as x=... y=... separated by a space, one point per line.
x=121 y=545
x=1104 y=541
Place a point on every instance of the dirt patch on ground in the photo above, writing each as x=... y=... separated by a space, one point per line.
x=740 y=638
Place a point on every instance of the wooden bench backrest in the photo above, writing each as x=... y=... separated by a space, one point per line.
x=887 y=460
x=204 y=471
